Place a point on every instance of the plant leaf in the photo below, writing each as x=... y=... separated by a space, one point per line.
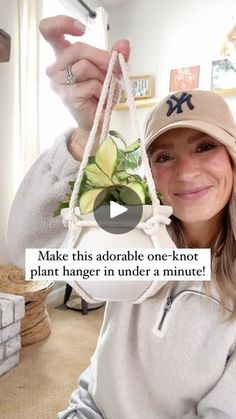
x=132 y=147
x=87 y=200
x=118 y=135
x=115 y=179
x=126 y=196
x=122 y=175
x=121 y=160
x=64 y=204
x=128 y=161
x=106 y=157
x=96 y=176
x=134 y=178
x=115 y=163
x=91 y=159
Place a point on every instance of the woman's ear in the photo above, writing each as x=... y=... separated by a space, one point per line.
x=5 y=46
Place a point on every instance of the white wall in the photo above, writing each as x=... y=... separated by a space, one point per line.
x=167 y=33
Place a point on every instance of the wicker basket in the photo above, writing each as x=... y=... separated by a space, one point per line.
x=35 y=326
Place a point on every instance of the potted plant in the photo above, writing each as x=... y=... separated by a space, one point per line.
x=114 y=164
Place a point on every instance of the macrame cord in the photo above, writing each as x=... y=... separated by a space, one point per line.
x=72 y=218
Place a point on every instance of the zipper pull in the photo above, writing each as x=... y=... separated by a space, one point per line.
x=168 y=303
x=167 y=307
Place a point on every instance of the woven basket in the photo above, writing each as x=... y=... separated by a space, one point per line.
x=36 y=332
x=35 y=326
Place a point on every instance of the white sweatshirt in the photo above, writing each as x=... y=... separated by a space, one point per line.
x=162 y=359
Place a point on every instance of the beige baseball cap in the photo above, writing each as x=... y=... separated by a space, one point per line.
x=197 y=109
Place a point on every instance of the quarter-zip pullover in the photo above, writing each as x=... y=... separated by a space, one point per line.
x=171 y=357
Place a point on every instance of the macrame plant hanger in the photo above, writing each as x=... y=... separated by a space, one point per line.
x=72 y=218
x=74 y=221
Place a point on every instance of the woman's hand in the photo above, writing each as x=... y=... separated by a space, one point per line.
x=88 y=65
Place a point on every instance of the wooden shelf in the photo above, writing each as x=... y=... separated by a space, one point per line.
x=140 y=103
x=146 y=103
x=226 y=92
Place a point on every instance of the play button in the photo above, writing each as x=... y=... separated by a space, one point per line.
x=114 y=217
x=116 y=209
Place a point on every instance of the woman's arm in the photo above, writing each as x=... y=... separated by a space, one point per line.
x=31 y=222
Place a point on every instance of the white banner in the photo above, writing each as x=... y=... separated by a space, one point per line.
x=118 y=264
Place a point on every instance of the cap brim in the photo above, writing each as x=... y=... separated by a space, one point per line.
x=219 y=134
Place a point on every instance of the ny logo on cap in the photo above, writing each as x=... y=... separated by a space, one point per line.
x=185 y=97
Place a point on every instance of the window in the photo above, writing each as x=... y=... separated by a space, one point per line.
x=54 y=117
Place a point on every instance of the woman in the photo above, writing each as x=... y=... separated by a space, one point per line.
x=173 y=356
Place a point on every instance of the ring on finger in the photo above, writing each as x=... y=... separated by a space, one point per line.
x=70 y=77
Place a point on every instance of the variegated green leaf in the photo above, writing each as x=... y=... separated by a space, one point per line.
x=115 y=179
x=118 y=135
x=106 y=157
x=132 y=147
x=122 y=175
x=87 y=200
x=136 y=187
x=96 y=176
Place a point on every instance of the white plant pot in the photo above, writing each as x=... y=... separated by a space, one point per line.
x=96 y=237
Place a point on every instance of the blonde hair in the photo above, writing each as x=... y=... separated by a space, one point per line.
x=223 y=252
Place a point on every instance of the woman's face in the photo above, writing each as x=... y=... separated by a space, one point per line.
x=193 y=172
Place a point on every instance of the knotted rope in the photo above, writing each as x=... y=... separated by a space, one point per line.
x=72 y=218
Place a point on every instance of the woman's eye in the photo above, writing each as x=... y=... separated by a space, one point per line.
x=206 y=146
x=163 y=158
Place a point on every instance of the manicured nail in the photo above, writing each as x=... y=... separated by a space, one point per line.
x=79 y=25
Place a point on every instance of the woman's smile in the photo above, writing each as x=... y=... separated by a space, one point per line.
x=194 y=174
x=193 y=193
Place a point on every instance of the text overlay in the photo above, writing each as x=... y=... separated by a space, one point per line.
x=118 y=264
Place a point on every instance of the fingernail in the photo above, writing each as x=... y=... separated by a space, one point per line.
x=79 y=25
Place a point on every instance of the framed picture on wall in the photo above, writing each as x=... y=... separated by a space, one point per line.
x=184 y=78
x=141 y=86
x=223 y=74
